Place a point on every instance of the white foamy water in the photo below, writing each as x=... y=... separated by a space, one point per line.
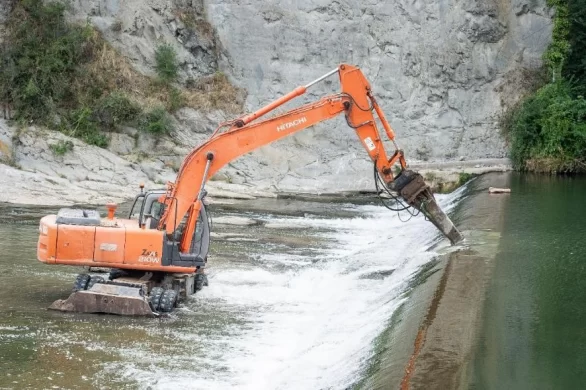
x=292 y=320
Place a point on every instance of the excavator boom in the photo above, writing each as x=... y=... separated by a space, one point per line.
x=159 y=253
x=248 y=133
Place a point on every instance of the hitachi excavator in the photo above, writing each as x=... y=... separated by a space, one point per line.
x=158 y=254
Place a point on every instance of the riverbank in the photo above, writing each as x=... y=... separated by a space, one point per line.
x=107 y=178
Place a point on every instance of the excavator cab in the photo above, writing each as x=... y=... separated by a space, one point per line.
x=147 y=209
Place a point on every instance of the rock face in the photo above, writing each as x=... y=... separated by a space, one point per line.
x=439 y=66
x=442 y=70
x=33 y=173
x=137 y=27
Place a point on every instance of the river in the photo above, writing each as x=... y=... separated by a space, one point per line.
x=318 y=295
x=533 y=334
x=296 y=300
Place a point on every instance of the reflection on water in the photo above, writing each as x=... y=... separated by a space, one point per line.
x=295 y=301
x=534 y=334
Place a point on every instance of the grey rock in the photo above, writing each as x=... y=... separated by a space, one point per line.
x=6 y=148
x=442 y=71
x=146 y=143
x=409 y=51
x=121 y=144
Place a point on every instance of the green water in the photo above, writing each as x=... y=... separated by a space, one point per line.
x=534 y=330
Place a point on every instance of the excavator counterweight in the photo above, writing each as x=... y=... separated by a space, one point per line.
x=159 y=253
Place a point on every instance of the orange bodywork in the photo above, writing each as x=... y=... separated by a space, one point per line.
x=124 y=246
x=127 y=245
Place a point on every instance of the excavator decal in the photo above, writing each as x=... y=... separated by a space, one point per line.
x=149 y=257
x=291 y=124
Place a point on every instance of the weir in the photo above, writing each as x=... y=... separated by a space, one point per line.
x=431 y=339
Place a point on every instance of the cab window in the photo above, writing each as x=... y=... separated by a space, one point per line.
x=135 y=211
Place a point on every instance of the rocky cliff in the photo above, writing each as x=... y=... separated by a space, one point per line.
x=443 y=70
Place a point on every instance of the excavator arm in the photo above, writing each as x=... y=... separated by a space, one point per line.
x=247 y=133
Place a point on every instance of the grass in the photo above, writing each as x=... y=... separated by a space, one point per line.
x=215 y=92
x=61 y=147
x=67 y=77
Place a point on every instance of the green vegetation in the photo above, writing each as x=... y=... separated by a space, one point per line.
x=166 y=63
x=60 y=75
x=575 y=64
x=556 y=53
x=116 y=109
x=41 y=60
x=176 y=100
x=547 y=130
x=464 y=177
x=61 y=147
x=66 y=77
x=157 y=122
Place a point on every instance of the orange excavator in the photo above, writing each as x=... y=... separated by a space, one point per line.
x=158 y=254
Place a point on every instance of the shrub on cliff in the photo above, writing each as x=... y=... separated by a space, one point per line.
x=116 y=109
x=575 y=64
x=166 y=63
x=67 y=77
x=40 y=59
x=547 y=131
x=157 y=122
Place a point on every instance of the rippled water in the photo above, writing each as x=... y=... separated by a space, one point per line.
x=295 y=302
x=534 y=330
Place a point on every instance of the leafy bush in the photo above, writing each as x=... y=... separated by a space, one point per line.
x=157 y=122
x=166 y=63
x=40 y=62
x=547 y=130
x=558 y=49
x=81 y=123
x=61 y=147
x=575 y=64
x=550 y=125
x=116 y=109
x=465 y=177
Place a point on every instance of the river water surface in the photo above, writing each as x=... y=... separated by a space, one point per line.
x=295 y=301
x=534 y=330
